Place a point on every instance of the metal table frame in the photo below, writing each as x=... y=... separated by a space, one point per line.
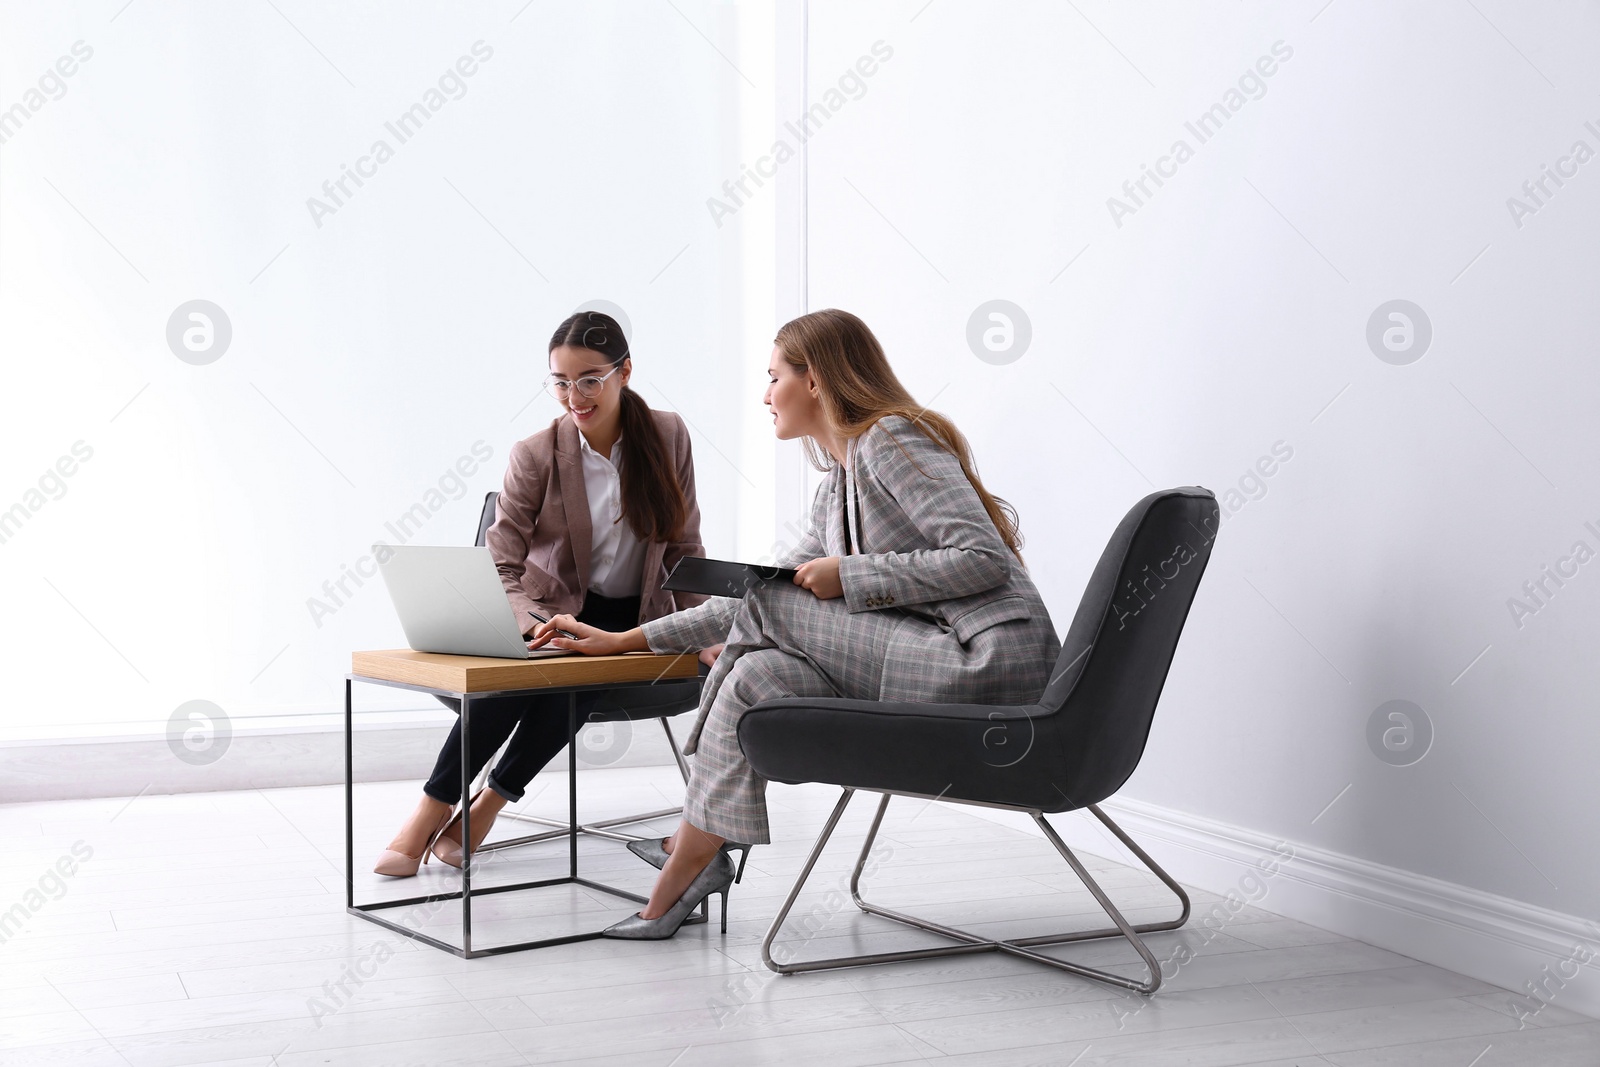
x=466 y=892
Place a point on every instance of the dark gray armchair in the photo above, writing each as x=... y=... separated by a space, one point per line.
x=1072 y=749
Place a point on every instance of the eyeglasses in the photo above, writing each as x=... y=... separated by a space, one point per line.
x=589 y=385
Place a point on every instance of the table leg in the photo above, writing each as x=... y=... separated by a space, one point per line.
x=349 y=807
x=572 y=779
x=466 y=824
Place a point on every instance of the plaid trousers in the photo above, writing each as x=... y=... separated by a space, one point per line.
x=782 y=641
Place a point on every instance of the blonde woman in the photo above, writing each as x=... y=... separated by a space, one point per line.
x=909 y=586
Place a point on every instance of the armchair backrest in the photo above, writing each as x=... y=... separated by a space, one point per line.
x=1114 y=659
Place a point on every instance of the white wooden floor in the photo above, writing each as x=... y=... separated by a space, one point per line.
x=210 y=928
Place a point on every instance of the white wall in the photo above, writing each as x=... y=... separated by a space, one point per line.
x=370 y=353
x=1228 y=313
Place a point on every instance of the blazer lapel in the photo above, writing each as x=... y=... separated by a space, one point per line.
x=650 y=587
x=833 y=535
x=574 y=499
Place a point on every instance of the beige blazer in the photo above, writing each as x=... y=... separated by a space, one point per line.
x=541 y=538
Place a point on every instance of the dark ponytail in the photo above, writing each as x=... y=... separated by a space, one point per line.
x=652 y=500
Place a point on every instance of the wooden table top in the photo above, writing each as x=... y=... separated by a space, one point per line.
x=484 y=674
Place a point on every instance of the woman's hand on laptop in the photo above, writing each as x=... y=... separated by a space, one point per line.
x=591 y=640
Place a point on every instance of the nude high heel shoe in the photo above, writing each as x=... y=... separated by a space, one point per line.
x=395 y=864
x=448 y=852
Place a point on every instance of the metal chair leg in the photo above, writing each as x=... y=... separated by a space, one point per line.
x=602 y=828
x=969 y=942
x=605 y=828
x=677 y=753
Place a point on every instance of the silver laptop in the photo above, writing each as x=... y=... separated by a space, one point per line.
x=450 y=600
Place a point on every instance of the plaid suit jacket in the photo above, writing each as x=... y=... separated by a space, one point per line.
x=923 y=545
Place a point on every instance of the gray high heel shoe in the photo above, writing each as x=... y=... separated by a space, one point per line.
x=650 y=850
x=716 y=878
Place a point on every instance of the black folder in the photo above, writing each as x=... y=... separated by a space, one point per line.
x=718 y=577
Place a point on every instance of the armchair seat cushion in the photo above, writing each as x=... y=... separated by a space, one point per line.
x=972 y=752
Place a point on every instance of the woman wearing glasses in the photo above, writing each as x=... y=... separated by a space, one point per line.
x=595 y=510
x=908 y=587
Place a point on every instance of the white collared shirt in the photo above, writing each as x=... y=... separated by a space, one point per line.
x=616 y=560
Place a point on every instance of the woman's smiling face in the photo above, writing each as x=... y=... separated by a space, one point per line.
x=571 y=363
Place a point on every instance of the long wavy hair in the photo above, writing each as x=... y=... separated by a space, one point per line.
x=857 y=387
x=652 y=500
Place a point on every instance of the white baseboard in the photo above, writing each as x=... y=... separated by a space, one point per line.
x=264 y=756
x=1540 y=955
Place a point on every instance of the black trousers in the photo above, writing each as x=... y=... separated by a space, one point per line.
x=537 y=725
